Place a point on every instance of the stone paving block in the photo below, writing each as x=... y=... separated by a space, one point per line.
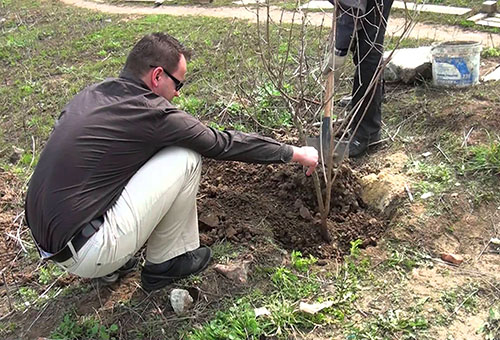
x=477 y=17
x=489 y=7
x=489 y=23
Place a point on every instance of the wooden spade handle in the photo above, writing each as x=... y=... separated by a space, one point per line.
x=329 y=95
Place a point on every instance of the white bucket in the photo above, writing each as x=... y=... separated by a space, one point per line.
x=456 y=63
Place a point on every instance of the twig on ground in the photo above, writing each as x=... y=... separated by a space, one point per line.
x=482 y=251
x=442 y=152
x=410 y=196
x=7 y=315
x=466 y=137
x=393 y=137
x=37 y=317
x=464 y=301
x=33 y=151
x=7 y=291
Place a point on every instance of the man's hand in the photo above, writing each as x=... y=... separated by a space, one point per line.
x=307 y=156
x=333 y=63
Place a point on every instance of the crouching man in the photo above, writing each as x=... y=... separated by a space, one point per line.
x=122 y=168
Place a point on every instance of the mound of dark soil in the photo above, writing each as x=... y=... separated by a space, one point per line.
x=243 y=202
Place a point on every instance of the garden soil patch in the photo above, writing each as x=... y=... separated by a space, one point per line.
x=240 y=201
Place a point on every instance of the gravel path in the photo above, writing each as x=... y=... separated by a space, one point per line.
x=434 y=32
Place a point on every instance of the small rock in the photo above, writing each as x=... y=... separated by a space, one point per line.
x=426 y=195
x=237 y=272
x=298 y=204
x=313 y=308
x=495 y=241
x=210 y=219
x=231 y=232
x=16 y=154
x=426 y=154
x=452 y=258
x=261 y=311
x=180 y=300
x=305 y=213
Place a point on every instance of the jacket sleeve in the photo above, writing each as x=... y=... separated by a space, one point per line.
x=181 y=129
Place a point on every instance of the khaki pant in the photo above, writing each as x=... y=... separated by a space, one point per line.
x=157 y=206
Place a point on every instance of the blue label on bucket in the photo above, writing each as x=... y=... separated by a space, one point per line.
x=453 y=71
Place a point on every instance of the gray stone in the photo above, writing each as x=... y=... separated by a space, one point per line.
x=489 y=7
x=180 y=300
x=409 y=64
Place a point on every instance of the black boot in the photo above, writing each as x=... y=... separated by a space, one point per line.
x=157 y=276
x=359 y=145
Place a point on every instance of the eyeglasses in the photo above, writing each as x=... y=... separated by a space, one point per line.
x=178 y=84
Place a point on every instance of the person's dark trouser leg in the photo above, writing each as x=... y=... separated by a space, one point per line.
x=367 y=55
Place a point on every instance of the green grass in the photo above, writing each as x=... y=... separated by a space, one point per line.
x=484 y=158
x=45 y=61
x=73 y=328
x=491 y=328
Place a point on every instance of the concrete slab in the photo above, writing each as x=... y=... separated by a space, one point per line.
x=493 y=76
x=489 y=23
x=317 y=4
x=431 y=8
x=322 y=4
x=477 y=17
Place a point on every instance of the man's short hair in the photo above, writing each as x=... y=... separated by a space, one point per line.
x=155 y=49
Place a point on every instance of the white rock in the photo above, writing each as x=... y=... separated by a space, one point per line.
x=409 y=64
x=426 y=195
x=426 y=154
x=495 y=241
x=261 y=311
x=313 y=308
x=180 y=300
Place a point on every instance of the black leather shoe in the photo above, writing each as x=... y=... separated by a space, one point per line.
x=359 y=146
x=157 y=276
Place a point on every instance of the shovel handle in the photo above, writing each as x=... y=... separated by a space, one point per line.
x=329 y=95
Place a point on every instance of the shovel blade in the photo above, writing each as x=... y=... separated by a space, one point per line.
x=340 y=149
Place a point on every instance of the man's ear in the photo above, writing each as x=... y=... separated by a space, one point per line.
x=155 y=76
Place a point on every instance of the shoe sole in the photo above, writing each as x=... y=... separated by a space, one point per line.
x=149 y=287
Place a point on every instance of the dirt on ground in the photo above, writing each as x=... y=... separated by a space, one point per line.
x=238 y=201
